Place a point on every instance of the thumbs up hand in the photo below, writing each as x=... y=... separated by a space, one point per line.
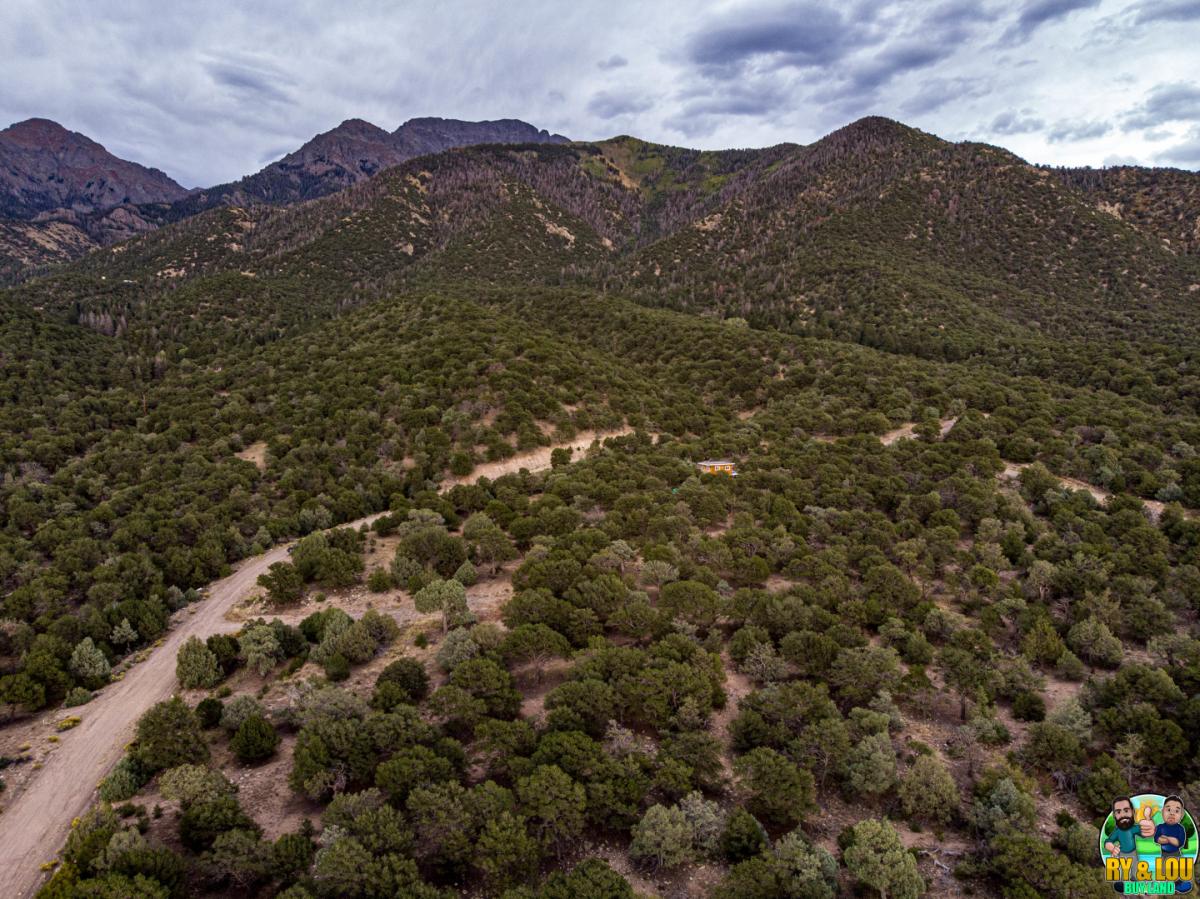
x=1146 y=825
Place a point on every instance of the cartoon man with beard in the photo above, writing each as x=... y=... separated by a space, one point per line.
x=1122 y=842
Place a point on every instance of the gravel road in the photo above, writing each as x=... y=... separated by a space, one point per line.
x=35 y=825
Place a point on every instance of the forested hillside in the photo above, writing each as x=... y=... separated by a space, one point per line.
x=946 y=611
x=1162 y=202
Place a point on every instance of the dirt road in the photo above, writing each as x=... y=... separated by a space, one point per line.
x=535 y=459
x=1012 y=471
x=35 y=825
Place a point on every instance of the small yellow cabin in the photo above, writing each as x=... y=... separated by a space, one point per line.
x=718 y=466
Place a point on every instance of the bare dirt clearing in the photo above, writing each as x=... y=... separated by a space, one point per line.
x=909 y=431
x=256 y=453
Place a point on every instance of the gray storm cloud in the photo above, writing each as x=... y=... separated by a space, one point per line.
x=210 y=97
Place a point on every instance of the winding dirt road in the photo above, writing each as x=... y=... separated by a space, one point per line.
x=35 y=826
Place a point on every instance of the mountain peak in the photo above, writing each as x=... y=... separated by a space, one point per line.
x=38 y=133
x=872 y=129
x=46 y=167
x=431 y=134
x=357 y=149
x=358 y=129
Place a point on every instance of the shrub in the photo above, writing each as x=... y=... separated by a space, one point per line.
x=410 y=768
x=1052 y=747
x=203 y=822
x=89 y=664
x=225 y=647
x=743 y=837
x=356 y=643
x=77 y=696
x=663 y=838
x=259 y=648
x=744 y=640
x=1092 y=640
x=448 y=597
x=317 y=626
x=337 y=668
x=189 y=784
x=292 y=855
x=1000 y=804
x=238 y=710
x=255 y=739
x=928 y=792
x=1029 y=706
x=505 y=853
x=1069 y=667
x=283 y=582
x=409 y=676
x=379 y=581
x=209 y=712
x=169 y=735
x=1103 y=781
x=466 y=574
x=778 y=791
x=382 y=628
x=196 y=666
x=123 y=781
x=554 y=804
x=706 y=820
x=877 y=859
x=871 y=765
x=1071 y=715
x=802 y=870
x=457 y=648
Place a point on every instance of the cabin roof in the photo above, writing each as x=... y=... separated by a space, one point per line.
x=716 y=462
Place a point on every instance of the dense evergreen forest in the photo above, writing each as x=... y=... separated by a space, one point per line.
x=895 y=666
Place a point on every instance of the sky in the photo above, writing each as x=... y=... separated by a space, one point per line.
x=210 y=90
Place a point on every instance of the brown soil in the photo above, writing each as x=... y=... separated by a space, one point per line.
x=737 y=687
x=909 y=431
x=256 y=453
x=537 y=459
x=40 y=803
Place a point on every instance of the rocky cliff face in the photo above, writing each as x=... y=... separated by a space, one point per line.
x=416 y=137
x=44 y=168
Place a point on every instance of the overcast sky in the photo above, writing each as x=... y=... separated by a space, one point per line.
x=209 y=90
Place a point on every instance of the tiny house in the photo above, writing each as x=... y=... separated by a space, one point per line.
x=718 y=466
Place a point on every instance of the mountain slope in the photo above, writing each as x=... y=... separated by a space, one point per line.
x=877 y=234
x=1161 y=202
x=883 y=234
x=76 y=217
x=62 y=195
x=356 y=150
